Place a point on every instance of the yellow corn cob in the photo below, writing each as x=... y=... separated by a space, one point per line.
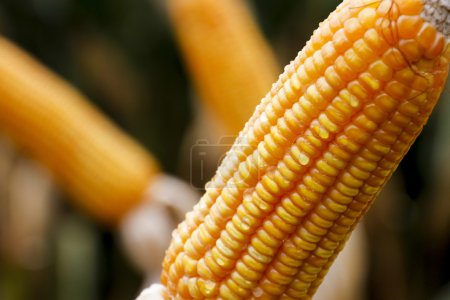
x=103 y=169
x=313 y=157
x=230 y=62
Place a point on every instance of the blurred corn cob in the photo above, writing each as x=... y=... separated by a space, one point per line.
x=230 y=62
x=314 y=155
x=104 y=170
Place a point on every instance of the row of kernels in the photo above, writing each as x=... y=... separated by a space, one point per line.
x=268 y=238
x=310 y=245
x=274 y=244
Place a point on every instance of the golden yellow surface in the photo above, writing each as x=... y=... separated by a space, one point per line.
x=105 y=171
x=229 y=60
x=312 y=158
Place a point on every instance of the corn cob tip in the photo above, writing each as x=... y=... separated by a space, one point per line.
x=437 y=13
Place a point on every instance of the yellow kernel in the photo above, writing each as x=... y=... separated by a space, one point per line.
x=353 y=139
x=231 y=291
x=189 y=265
x=220 y=259
x=357 y=93
x=338 y=157
x=437 y=47
x=367 y=17
x=290 y=207
x=338 y=197
x=270 y=226
x=302 y=76
x=266 y=238
x=374 y=113
x=349 y=98
x=325 y=214
x=426 y=35
x=241 y=281
x=335 y=116
x=409 y=26
x=301 y=201
x=343 y=69
x=379 y=148
x=363 y=122
x=411 y=7
x=271 y=288
x=308 y=194
x=278 y=277
x=319 y=221
x=284 y=176
x=358 y=173
x=328 y=52
x=375 y=41
x=320 y=131
x=251 y=263
x=264 y=259
x=226 y=293
x=326 y=168
x=340 y=41
x=370 y=82
x=334 y=78
x=354 y=61
x=208 y=288
x=292 y=164
x=365 y=165
x=270 y=185
x=313 y=184
x=364 y=51
x=394 y=59
x=409 y=109
x=410 y=49
x=351 y=181
x=225 y=250
x=380 y=70
x=347 y=190
x=385 y=102
x=286 y=216
x=302 y=244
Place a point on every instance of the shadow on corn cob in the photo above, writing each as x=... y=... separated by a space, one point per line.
x=314 y=155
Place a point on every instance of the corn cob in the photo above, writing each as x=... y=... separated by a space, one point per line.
x=104 y=170
x=230 y=62
x=315 y=154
